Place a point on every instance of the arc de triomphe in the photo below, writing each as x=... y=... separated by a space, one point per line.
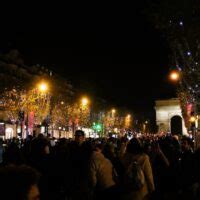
x=169 y=116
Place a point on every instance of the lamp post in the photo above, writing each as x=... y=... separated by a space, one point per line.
x=84 y=103
x=146 y=125
x=128 y=119
x=127 y=122
x=193 y=126
x=113 y=111
x=59 y=131
x=21 y=119
x=43 y=88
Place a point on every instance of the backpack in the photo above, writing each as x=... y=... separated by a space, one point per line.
x=134 y=177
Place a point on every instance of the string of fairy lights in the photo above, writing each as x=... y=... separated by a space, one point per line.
x=187 y=62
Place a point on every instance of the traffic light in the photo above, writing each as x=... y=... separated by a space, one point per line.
x=97 y=127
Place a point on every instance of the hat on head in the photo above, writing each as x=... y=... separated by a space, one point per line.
x=79 y=133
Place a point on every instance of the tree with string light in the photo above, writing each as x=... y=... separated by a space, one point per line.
x=33 y=103
x=179 y=23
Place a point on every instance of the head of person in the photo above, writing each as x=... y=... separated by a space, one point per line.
x=176 y=137
x=99 y=147
x=19 y=183
x=79 y=136
x=40 y=147
x=134 y=146
x=186 y=144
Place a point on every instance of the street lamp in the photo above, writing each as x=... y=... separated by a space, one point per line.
x=84 y=110
x=60 y=128
x=43 y=87
x=127 y=121
x=113 y=118
x=128 y=116
x=113 y=111
x=174 y=76
x=84 y=101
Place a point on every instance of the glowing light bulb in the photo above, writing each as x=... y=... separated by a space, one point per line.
x=174 y=76
x=43 y=87
x=181 y=23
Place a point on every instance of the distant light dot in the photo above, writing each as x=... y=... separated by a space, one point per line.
x=179 y=68
x=181 y=23
x=189 y=53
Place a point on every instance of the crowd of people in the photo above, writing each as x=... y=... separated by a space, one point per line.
x=149 y=167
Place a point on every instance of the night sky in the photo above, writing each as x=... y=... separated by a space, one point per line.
x=120 y=58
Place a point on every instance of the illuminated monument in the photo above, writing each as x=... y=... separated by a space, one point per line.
x=169 y=117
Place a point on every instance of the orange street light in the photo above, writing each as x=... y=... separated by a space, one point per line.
x=127 y=121
x=43 y=87
x=174 y=76
x=84 y=101
x=113 y=111
x=128 y=116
